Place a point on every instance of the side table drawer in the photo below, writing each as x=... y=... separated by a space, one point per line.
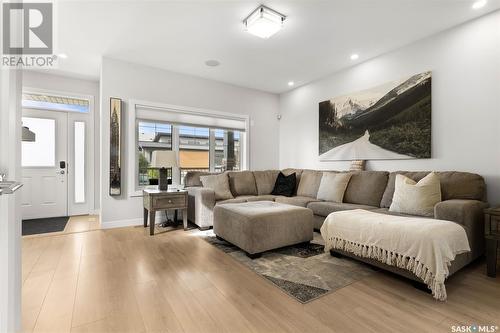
x=492 y=225
x=169 y=202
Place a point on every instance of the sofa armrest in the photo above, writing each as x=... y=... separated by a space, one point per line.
x=469 y=214
x=201 y=202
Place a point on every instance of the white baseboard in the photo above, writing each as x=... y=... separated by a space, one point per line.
x=121 y=223
x=160 y=216
x=95 y=212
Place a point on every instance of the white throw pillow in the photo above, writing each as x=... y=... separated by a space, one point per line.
x=415 y=198
x=333 y=186
x=220 y=185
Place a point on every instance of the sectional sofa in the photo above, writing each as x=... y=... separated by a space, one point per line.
x=463 y=195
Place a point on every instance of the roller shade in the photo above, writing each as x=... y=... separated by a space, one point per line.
x=192 y=118
x=194 y=159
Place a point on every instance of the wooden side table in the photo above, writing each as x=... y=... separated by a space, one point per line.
x=492 y=236
x=155 y=200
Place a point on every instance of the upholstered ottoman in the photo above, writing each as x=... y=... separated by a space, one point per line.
x=260 y=226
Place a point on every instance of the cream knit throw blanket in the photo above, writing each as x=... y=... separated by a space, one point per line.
x=426 y=247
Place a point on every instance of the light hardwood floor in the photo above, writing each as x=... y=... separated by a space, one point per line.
x=123 y=280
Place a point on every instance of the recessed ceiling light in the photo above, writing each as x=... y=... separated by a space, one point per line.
x=291 y=83
x=212 y=63
x=479 y=4
x=354 y=56
x=62 y=55
x=264 y=22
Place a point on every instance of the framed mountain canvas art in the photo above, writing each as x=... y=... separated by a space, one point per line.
x=389 y=121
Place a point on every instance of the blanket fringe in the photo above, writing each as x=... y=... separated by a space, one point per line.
x=394 y=259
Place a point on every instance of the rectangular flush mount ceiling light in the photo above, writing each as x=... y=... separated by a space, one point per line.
x=264 y=22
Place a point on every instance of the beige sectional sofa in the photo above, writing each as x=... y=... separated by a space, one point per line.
x=463 y=195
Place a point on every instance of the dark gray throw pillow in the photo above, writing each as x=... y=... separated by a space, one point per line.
x=285 y=185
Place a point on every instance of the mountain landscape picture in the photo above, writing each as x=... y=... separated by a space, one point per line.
x=390 y=121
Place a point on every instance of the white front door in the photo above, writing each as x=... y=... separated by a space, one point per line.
x=44 y=163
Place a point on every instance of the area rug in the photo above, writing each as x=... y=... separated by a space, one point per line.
x=42 y=226
x=304 y=272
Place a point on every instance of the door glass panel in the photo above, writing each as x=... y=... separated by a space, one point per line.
x=79 y=128
x=41 y=152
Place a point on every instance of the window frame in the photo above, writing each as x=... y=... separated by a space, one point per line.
x=132 y=160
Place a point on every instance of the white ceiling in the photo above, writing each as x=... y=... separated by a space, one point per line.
x=317 y=39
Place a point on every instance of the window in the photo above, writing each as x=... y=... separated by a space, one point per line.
x=194 y=149
x=200 y=149
x=57 y=103
x=42 y=152
x=79 y=150
x=227 y=150
x=151 y=136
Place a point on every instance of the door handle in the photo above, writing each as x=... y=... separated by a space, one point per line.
x=62 y=172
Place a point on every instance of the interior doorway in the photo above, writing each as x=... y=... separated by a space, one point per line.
x=57 y=160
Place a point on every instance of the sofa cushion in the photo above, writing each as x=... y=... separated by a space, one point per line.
x=265 y=181
x=324 y=208
x=240 y=199
x=266 y=197
x=220 y=185
x=192 y=178
x=415 y=198
x=333 y=186
x=454 y=185
x=285 y=185
x=366 y=188
x=462 y=185
x=242 y=183
x=295 y=201
x=309 y=183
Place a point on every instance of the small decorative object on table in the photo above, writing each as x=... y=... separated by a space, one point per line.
x=163 y=159
x=156 y=200
x=492 y=235
x=358 y=165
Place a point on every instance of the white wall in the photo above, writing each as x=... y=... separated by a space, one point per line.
x=465 y=64
x=131 y=81
x=59 y=83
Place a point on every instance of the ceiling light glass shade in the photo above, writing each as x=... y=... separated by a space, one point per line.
x=264 y=22
x=479 y=4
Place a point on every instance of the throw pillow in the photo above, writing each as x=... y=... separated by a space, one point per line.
x=415 y=198
x=220 y=185
x=285 y=185
x=333 y=186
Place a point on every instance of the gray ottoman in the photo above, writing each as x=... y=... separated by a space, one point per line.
x=260 y=226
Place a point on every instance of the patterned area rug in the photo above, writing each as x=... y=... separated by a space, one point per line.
x=304 y=272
